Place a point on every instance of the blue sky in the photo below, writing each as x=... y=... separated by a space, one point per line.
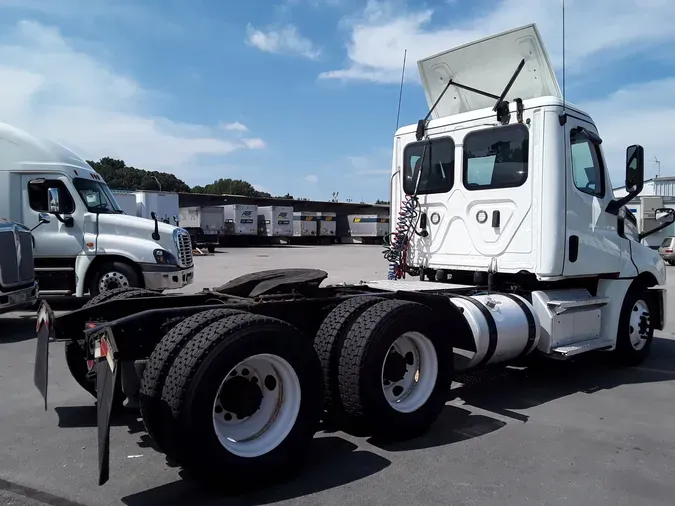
x=300 y=96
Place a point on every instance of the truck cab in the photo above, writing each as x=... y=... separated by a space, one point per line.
x=504 y=180
x=89 y=245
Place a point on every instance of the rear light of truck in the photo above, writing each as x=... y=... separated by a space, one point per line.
x=669 y=250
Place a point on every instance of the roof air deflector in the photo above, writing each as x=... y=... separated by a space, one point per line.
x=485 y=64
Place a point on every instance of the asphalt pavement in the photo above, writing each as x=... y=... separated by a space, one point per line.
x=582 y=433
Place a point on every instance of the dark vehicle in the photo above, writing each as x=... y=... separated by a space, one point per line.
x=18 y=284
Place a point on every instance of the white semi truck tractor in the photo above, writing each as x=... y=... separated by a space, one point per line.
x=502 y=209
x=89 y=246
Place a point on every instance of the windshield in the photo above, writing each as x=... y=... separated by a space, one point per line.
x=96 y=196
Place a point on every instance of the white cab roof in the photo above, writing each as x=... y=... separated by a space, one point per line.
x=488 y=64
x=21 y=151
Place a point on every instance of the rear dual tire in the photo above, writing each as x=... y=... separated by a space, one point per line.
x=241 y=400
x=393 y=371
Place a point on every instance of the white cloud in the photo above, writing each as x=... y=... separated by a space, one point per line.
x=638 y=114
x=254 y=143
x=283 y=40
x=234 y=127
x=312 y=178
x=52 y=90
x=381 y=33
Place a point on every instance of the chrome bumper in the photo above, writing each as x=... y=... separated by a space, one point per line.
x=160 y=277
x=18 y=299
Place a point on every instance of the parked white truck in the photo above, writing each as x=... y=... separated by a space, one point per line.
x=502 y=204
x=89 y=246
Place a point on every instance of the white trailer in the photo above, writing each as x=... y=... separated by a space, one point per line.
x=126 y=201
x=203 y=223
x=275 y=221
x=327 y=224
x=165 y=205
x=503 y=199
x=368 y=226
x=305 y=224
x=240 y=219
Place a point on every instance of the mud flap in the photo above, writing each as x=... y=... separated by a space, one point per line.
x=106 y=376
x=44 y=328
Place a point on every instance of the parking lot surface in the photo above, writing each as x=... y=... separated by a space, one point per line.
x=572 y=434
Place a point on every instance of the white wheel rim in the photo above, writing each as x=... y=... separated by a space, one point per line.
x=407 y=385
x=639 y=325
x=244 y=430
x=119 y=279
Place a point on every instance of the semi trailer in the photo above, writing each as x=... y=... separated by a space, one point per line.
x=203 y=223
x=365 y=228
x=305 y=225
x=275 y=221
x=503 y=215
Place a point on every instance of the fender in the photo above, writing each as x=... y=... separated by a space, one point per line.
x=84 y=262
x=616 y=290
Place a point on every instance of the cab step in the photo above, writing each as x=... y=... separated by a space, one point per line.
x=560 y=306
x=570 y=350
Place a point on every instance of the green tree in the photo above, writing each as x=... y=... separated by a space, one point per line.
x=120 y=176
x=227 y=186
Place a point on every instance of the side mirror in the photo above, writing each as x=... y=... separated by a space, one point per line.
x=54 y=200
x=635 y=178
x=635 y=169
x=665 y=215
x=153 y=215
x=42 y=218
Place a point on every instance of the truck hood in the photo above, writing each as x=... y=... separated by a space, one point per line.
x=133 y=226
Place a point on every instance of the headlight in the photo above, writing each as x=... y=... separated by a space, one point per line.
x=164 y=257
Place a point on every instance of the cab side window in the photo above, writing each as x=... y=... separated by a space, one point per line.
x=37 y=195
x=437 y=168
x=587 y=168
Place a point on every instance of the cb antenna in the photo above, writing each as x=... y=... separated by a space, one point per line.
x=400 y=91
x=563 y=57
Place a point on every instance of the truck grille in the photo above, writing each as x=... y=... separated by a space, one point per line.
x=184 y=247
x=16 y=262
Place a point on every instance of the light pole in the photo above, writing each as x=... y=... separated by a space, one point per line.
x=658 y=166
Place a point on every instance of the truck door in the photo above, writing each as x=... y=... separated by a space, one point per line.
x=54 y=239
x=592 y=244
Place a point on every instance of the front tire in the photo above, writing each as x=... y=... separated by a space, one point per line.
x=114 y=275
x=636 y=332
x=396 y=369
x=221 y=388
